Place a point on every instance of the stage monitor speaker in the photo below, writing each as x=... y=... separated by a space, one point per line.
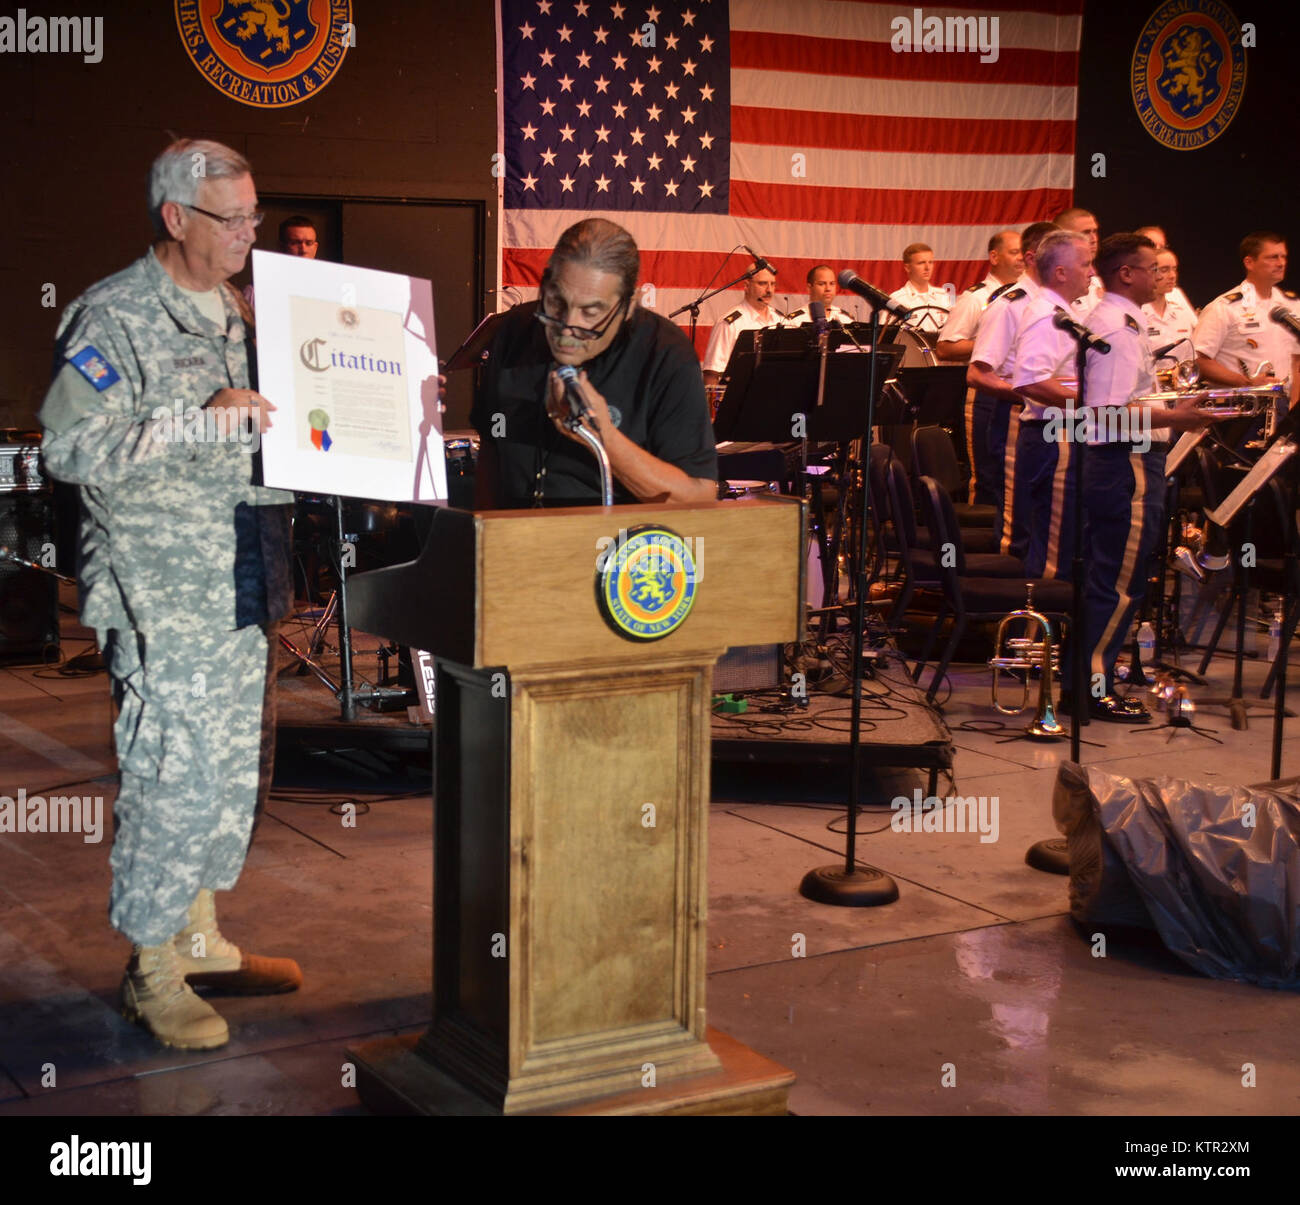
x=748 y=667
x=29 y=599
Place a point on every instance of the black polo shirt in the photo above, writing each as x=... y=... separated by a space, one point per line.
x=649 y=376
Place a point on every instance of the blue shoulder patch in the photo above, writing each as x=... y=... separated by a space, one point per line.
x=94 y=366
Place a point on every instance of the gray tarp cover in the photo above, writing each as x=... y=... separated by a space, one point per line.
x=1223 y=892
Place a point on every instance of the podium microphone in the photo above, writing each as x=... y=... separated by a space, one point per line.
x=760 y=264
x=578 y=408
x=850 y=280
x=1080 y=333
x=1283 y=317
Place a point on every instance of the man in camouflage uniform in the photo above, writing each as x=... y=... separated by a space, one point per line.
x=183 y=572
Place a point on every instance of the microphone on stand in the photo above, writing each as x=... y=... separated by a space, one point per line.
x=817 y=311
x=760 y=264
x=1080 y=333
x=1283 y=317
x=1161 y=352
x=850 y=280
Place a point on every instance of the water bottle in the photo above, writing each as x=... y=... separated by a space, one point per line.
x=1275 y=636
x=1147 y=642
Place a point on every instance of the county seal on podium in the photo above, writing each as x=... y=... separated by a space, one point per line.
x=645 y=583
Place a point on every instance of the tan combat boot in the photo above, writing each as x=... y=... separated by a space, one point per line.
x=155 y=994
x=208 y=960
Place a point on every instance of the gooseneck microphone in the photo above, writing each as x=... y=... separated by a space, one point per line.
x=1080 y=333
x=578 y=408
x=850 y=280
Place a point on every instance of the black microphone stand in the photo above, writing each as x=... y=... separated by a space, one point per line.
x=1051 y=855
x=708 y=295
x=850 y=885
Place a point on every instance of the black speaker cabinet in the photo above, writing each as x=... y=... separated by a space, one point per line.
x=29 y=599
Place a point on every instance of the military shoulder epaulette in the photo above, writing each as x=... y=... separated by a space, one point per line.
x=778 y=313
x=1014 y=295
x=1131 y=322
x=732 y=316
x=795 y=314
x=976 y=287
x=1237 y=296
x=1287 y=293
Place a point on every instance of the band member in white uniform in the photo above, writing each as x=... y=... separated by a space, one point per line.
x=1006 y=263
x=1169 y=321
x=754 y=311
x=1157 y=236
x=1044 y=377
x=918 y=293
x=994 y=413
x=1082 y=221
x=1235 y=333
x=822 y=286
x=1123 y=471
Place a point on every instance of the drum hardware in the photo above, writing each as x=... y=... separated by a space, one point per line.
x=1028 y=654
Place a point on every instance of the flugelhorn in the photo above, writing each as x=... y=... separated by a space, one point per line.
x=1027 y=654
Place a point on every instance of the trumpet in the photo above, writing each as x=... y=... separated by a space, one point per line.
x=1237 y=401
x=1025 y=653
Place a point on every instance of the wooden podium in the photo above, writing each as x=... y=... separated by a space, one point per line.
x=571 y=791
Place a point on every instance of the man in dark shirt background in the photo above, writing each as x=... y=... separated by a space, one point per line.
x=638 y=373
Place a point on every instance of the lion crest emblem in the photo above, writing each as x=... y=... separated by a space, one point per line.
x=266 y=33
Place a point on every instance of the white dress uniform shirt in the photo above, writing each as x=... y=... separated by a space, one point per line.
x=1083 y=306
x=1042 y=351
x=995 y=340
x=722 y=338
x=1127 y=370
x=802 y=317
x=964 y=316
x=1177 y=294
x=1235 y=327
x=926 y=320
x=1175 y=325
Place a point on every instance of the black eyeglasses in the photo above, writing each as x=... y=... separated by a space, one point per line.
x=235 y=222
x=579 y=332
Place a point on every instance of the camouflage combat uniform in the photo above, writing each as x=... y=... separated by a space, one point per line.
x=183 y=571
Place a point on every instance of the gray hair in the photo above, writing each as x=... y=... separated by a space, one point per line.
x=1051 y=251
x=599 y=244
x=177 y=173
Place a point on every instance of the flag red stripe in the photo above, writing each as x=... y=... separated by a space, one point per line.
x=522 y=267
x=877 y=60
x=893 y=207
x=927 y=136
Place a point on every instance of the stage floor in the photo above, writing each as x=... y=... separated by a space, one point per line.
x=977 y=964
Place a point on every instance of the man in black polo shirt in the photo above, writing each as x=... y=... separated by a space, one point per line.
x=638 y=373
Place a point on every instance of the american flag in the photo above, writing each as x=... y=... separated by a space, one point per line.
x=797 y=127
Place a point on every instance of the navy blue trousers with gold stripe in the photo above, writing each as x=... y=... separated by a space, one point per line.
x=990 y=417
x=1044 y=498
x=1124 y=515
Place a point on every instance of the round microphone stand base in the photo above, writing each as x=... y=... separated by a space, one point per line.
x=865 y=887
x=1050 y=856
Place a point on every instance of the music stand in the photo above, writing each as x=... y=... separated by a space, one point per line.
x=472 y=352
x=773 y=376
x=1243 y=497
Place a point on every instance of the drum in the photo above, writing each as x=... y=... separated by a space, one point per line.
x=918 y=347
x=750 y=489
